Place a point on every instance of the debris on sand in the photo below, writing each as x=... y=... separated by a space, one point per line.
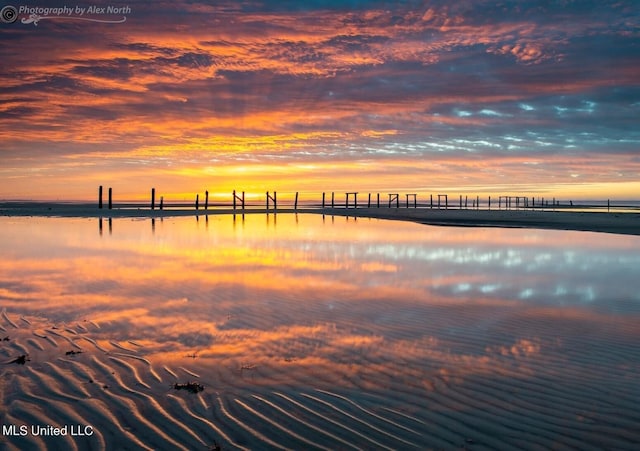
x=72 y=352
x=20 y=360
x=192 y=387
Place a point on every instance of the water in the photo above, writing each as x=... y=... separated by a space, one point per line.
x=407 y=335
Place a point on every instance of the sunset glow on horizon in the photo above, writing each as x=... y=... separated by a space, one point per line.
x=479 y=98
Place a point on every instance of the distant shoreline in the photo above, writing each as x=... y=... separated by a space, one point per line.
x=596 y=221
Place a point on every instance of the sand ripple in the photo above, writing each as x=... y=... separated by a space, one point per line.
x=506 y=396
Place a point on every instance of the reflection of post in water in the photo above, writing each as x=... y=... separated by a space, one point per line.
x=275 y=216
x=153 y=225
x=100 y=225
x=110 y=226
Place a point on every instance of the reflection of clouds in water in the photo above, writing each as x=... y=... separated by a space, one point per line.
x=205 y=287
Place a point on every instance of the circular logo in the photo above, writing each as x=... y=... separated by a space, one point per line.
x=9 y=14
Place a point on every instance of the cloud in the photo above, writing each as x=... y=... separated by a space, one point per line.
x=363 y=80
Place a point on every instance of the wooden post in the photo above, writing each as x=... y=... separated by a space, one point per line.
x=323 y=200
x=153 y=198
x=161 y=202
x=206 y=200
x=197 y=201
x=100 y=197
x=369 y=201
x=267 y=197
x=378 y=202
x=431 y=201
x=477 y=202
x=234 y=199
x=275 y=201
x=110 y=198
x=295 y=205
x=489 y=202
x=460 y=201
x=332 y=199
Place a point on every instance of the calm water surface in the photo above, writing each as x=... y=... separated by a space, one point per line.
x=443 y=333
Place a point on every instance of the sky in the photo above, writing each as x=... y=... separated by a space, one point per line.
x=535 y=98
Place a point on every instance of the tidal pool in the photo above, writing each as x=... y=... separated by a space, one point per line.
x=305 y=332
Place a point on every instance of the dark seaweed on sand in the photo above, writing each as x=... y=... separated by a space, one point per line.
x=21 y=360
x=192 y=387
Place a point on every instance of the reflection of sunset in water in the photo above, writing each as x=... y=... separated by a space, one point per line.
x=401 y=311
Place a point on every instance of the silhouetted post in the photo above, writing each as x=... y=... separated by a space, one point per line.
x=295 y=204
x=378 y=201
x=161 y=202
x=100 y=197
x=489 y=202
x=234 y=199
x=608 y=205
x=197 y=201
x=477 y=202
x=355 y=200
x=395 y=197
x=431 y=201
x=153 y=198
x=460 y=201
x=206 y=200
x=110 y=198
x=273 y=198
x=369 y=201
x=322 y=200
x=333 y=195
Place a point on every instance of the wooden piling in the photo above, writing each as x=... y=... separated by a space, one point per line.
x=431 y=201
x=295 y=204
x=269 y=196
x=110 y=198
x=355 y=200
x=153 y=198
x=489 y=202
x=460 y=201
x=369 y=201
x=206 y=200
x=197 y=201
x=322 y=200
x=333 y=195
x=161 y=202
x=392 y=197
x=100 y=197
x=378 y=201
